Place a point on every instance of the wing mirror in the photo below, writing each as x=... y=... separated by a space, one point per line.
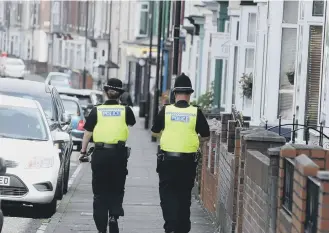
x=61 y=137
x=67 y=119
x=3 y=167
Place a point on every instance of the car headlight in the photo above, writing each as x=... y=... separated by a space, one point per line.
x=40 y=162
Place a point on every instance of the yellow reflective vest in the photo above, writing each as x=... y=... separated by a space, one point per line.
x=179 y=134
x=111 y=124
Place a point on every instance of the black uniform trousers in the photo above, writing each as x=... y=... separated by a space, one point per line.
x=109 y=171
x=176 y=180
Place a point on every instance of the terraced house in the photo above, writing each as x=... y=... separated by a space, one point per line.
x=264 y=57
x=270 y=63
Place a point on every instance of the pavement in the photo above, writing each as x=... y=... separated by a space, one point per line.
x=142 y=204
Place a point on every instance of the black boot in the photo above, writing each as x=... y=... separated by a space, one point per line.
x=113 y=224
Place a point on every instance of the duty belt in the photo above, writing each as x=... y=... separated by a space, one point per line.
x=178 y=156
x=109 y=146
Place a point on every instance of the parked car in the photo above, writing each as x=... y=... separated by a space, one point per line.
x=87 y=98
x=58 y=79
x=73 y=107
x=12 y=67
x=58 y=119
x=29 y=143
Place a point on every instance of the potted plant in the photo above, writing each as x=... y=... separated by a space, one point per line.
x=291 y=76
x=246 y=85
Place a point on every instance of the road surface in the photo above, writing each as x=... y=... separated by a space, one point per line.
x=21 y=220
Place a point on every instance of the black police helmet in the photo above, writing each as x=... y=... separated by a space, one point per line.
x=183 y=85
x=114 y=84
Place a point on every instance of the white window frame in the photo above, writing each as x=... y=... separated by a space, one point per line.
x=289 y=91
x=224 y=80
x=141 y=10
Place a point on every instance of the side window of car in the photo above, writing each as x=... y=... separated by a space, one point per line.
x=59 y=104
x=55 y=110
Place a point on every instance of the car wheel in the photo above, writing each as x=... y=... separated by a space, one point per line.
x=66 y=179
x=46 y=210
x=60 y=184
x=21 y=78
x=1 y=220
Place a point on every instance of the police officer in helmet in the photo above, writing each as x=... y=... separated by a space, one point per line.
x=181 y=127
x=108 y=124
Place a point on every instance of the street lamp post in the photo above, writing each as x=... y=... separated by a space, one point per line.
x=156 y=91
x=86 y=36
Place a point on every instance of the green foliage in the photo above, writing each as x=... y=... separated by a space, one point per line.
x=205 y=101
x=246 y=85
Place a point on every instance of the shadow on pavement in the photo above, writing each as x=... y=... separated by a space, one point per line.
x=21 y=212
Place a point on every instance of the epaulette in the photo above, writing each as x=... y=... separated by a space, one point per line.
x=194 y=105
x=166 y=104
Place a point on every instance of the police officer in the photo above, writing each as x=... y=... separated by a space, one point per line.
x=179 y=125
x=108 y=124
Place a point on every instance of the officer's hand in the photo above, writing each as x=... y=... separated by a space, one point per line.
x=83 y=157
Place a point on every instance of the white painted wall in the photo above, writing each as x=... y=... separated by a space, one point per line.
x=209 y=28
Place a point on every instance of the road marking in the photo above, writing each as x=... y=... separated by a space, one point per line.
x=45 y=223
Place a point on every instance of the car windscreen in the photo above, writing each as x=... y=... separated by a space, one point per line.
x=22 y=123
x=14 y=62
x=45 y=101
x=84 y=100
x=59 y=80
x=71 y=107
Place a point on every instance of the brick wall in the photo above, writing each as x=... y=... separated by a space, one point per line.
x=308 y=160
x=209 y=176
x=256 y=193
x=227 y=171
x=227 y=191
x=323 y=212
x=244 y=184
x=255 y=139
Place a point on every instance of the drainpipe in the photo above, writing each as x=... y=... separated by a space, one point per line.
x=181 y=42
x=176 y=37
x=156 y=92
x=149 y=63
x=86 y=43
x=119 y=38
x=109 y=43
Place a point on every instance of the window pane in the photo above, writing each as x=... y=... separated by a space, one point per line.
x=224 y=83
x=288 y=54
x=143 y=26
x=145 y=6
x=235 y=72
x=250 y=55
x=290 y=11
x=251 y=28
x=318 y=6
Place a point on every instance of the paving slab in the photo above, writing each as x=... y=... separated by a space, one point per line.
x=143 y=213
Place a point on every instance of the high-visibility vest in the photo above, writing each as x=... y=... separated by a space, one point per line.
x=179 y=134
x=111 y=124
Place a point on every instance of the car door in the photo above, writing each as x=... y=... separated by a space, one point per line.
x=66 y=147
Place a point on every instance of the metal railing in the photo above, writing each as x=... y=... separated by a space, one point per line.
x=288 y=184
x=312 y=202
x=295 y=127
